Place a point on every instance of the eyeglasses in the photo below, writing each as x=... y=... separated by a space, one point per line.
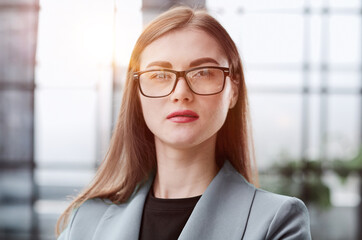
x=162 y=82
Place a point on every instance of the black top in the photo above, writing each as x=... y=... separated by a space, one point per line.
x=165 y=218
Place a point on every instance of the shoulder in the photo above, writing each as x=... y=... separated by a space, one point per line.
x=276 y=205
x=95 y=205
x=85 y=218
x=273 y=201
x=92 y=209
x=281 y=217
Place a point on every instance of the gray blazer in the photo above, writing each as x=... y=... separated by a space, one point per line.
x=229 y=209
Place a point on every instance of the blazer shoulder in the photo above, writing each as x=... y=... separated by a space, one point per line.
x=274 y=199
x=94 y=207
x=279 y=216
x=85 y=219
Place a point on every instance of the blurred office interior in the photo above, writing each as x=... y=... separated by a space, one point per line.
x=62 y=69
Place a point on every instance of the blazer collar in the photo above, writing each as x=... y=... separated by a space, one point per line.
x=223 y=210
x=221 y=213
x=123 y=221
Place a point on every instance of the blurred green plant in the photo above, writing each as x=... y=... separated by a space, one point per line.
x=345 y=168
x=304 y=178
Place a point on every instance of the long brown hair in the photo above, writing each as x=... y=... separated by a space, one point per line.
x=131 y=156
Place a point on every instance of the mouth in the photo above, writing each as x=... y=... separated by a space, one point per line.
x=183 y=116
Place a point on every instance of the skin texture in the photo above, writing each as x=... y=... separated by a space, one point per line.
x=185 y=150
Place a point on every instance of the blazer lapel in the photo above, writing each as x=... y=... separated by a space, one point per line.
x=222 y=211
x=124 y=221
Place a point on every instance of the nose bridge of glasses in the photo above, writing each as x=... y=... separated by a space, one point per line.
x=180 y=74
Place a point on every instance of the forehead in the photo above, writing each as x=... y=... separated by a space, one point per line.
x=180 y=47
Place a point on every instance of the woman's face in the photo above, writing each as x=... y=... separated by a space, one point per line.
x=167 y=117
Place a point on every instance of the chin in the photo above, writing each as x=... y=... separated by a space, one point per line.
x=188 y=141
x=184 y=143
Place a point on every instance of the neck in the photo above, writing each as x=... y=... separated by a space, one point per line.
x=183 y=173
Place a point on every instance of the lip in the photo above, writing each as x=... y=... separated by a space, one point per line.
x=183 y=116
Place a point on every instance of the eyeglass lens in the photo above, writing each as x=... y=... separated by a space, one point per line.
x=203 y=81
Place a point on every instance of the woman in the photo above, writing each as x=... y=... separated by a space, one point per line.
x=179 y=163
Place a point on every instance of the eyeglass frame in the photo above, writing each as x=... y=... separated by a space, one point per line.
x=136 y=76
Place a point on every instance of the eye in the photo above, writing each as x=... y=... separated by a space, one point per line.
x=160 y=75
x=202 y=73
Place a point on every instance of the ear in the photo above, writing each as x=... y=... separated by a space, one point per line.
x=234 y=93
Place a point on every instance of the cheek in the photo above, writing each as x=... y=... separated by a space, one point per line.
x=222 y=105
x=226 y=98
x=216 y=110
x=146 y=110
x=150 y=109
x=223 y=109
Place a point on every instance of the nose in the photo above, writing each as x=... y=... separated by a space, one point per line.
x=182 y=91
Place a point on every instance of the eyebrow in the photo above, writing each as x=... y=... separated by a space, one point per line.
x=194 y=63
x=200 y=61
x=160 y=64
